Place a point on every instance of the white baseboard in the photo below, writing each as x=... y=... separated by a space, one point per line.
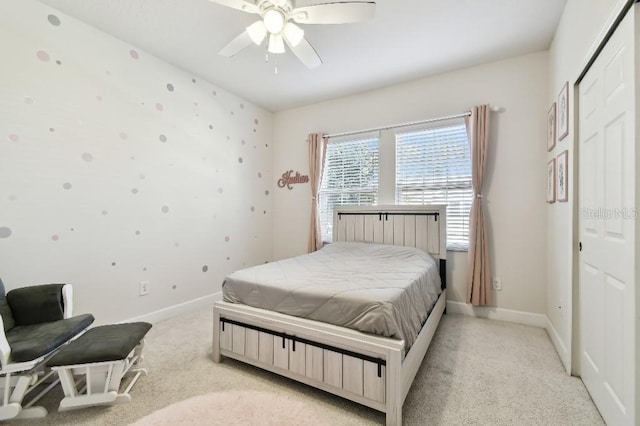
x=561 y=349
x=500 y=314
x=181 y=308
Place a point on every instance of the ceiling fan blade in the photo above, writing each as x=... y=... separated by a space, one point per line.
x=334 y=13
x=236 y=45
x=243 y=5
x=305 y=52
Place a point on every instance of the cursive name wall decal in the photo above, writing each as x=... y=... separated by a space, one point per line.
x=288 y=179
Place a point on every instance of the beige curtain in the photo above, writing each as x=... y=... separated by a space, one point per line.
x=317 y=152
x=479 y=285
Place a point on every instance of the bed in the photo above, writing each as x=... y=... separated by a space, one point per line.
x=328 y=341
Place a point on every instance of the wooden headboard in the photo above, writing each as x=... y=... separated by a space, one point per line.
x=424 y=227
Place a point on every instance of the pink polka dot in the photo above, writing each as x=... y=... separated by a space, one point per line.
x=142 y=176
x=255 y=121
x=134 y=54
x=159 y=106
x=43 y=56
x=123 y=135
x=55 y=237
x=253 y=209
x=14 y=138
x=227 y=238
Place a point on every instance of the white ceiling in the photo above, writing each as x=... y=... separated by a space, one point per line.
x=408 y=39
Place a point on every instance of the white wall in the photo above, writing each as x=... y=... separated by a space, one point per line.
x=515 y=177
x=116 y=168
x=581 y=28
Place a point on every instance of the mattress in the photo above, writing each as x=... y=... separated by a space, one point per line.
x=374 y=288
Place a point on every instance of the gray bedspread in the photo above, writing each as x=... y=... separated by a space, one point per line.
x=380 y=289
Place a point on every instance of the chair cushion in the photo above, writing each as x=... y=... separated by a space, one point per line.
x=8 y=321
x=106 y=343
x=36 y=304
x=29 y=342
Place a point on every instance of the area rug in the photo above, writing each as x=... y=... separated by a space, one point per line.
x=236 y=407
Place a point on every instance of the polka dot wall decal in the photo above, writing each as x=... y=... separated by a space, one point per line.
x=51 y=129
x=165 y=209
x=144 y=269
x=195 y=104
x=55 y=237
x=43 y=56
x=259 y=174
x=67 y=185
x=159 y=106
x=173 y=286
x=205 y=268
x=240 y=160
x=59 y=62
x=266 y=192
x=134 y=190
x=254 y=130
x=14 y=138
x=163 y=138
x=28 y=101
x=193 y=80
x=215 y=93
x=123 y=135
x=210 y=127
x=170 y=87
x=227 y=239
x=243 y=142
x=54 y=20
x=113 y=263
x=104 y=212
x=134 y=54
x=87 y=157
x=98 y=98
x=137 y=232
x=220 y=190
x=231 y=112
x=5 y=232
x=12 y=198
x=241 y=106
x=142 y=177
x=256 y=121
x=253 y=209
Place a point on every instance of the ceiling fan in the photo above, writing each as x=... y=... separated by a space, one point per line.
x=277 y=22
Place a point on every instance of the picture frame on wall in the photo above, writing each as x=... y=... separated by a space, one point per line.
x=562 y=173
x=563 y=112
x=551 y=181
x=551 y=127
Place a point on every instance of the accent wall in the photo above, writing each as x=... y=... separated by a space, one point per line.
x=117 y=168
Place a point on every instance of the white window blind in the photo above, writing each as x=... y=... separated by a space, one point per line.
x=350 y=178
x=433 y=166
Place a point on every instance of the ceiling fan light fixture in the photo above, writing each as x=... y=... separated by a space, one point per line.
x=293 y=33
x=274 y=21
x=276 y=44
x=257 y=31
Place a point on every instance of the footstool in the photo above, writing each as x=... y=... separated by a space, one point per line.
x=100 y=357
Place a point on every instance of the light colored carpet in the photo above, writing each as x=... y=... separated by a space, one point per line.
x=476 y=372
x=236 y=408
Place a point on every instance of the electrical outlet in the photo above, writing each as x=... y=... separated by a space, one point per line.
x=144 y=288
x=497 y=284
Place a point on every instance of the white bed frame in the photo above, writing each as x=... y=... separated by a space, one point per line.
x=370 y=370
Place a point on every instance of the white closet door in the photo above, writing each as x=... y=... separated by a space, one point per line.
x=607 y=187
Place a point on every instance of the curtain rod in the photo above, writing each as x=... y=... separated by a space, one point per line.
x=413 y=123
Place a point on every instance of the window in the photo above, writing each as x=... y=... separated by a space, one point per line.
x=350 y=178
x=433 y=166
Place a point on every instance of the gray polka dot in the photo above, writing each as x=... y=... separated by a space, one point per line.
x=5 y=232
x=104 y=212
x=240 y=160
x=137 y=232
x=51 y=129
x=210 y=127
x=193 y=80
x=67 y=185
x=54 y=20
x=134 y=190
x=170 y=87
x=220 y=190
x=113 y=263
x=87 y=157
x=163 y=138
x=266 y=192
x=12 y=198
x=165 y=209
x=59 y=62
x=205 y=268
x=174 y=286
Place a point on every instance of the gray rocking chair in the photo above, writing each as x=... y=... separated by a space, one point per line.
x=35 y=322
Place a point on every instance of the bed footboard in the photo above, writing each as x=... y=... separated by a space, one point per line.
x=363 y=368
